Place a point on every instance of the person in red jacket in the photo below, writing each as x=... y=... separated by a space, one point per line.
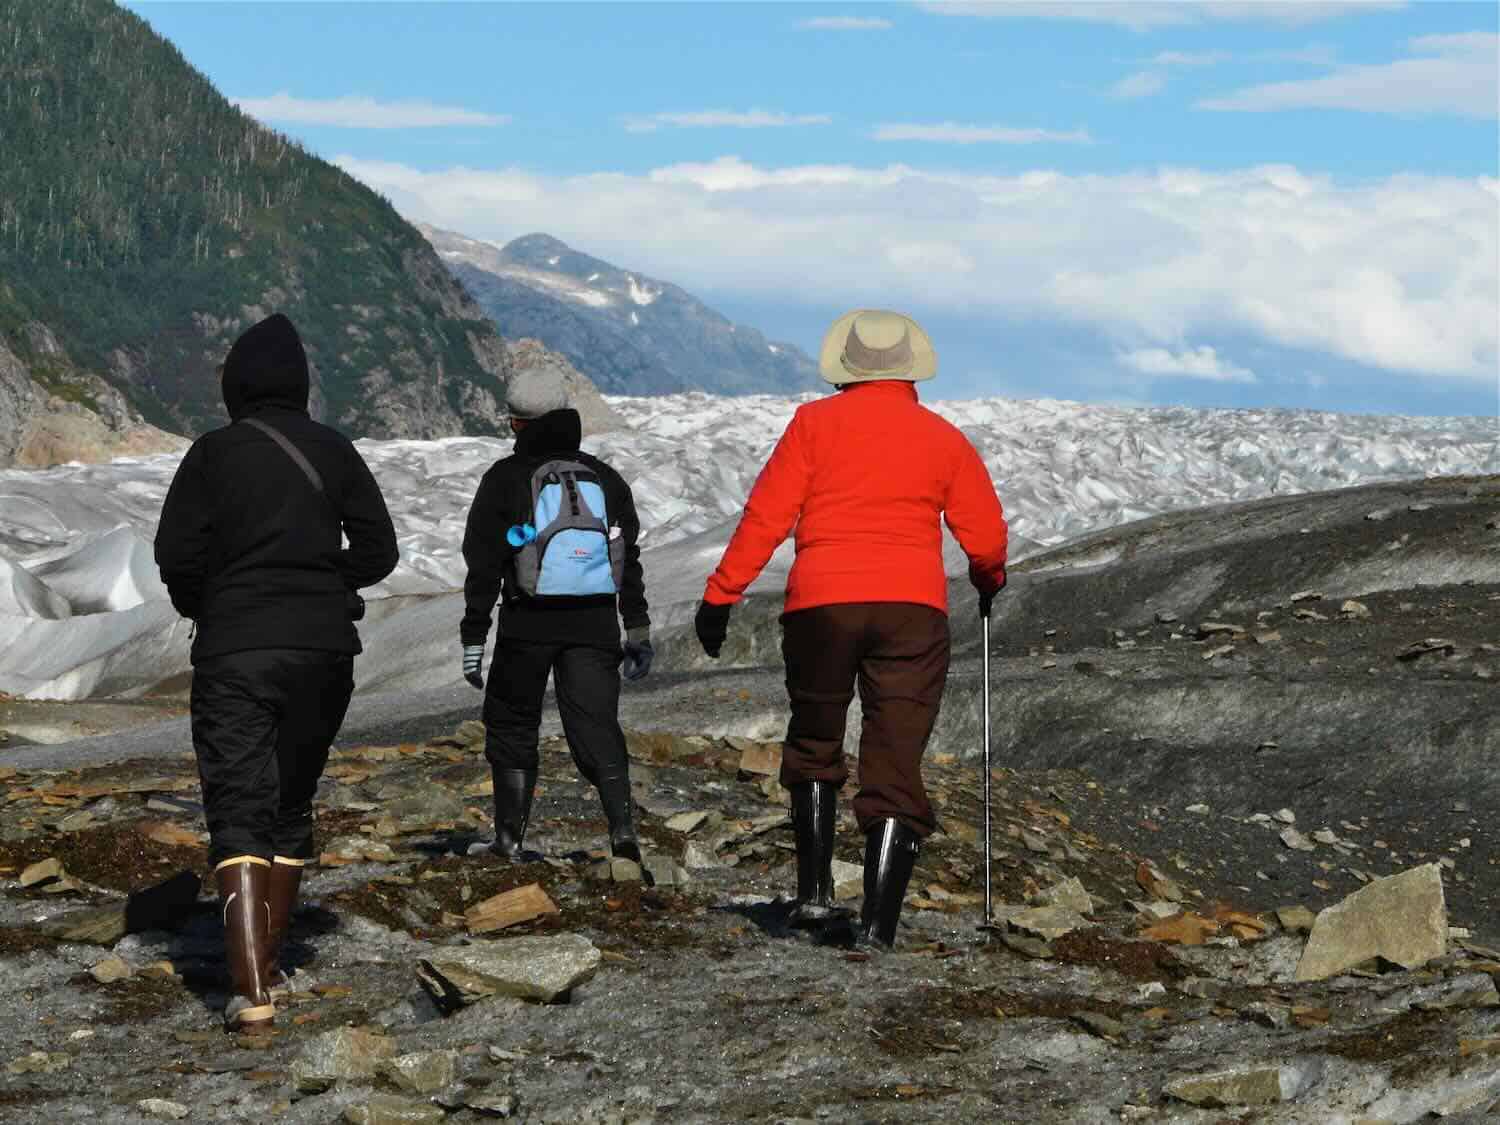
x=864 y=477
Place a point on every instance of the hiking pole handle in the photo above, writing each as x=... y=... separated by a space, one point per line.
x=985 y=663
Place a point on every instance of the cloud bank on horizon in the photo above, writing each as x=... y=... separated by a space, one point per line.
x=1233 y=202
x=1398 y=275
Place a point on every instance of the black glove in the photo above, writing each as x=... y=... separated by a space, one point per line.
x=987 y=599
x=638 y=654
x=473 y=665
x=712 y=625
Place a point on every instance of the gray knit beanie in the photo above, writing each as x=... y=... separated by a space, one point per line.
x=534 y=392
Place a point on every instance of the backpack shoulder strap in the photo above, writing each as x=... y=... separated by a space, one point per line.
x=291 y=451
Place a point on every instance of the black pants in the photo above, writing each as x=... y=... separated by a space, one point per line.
x=586 y=679
x=897 y=653
x=263 y=721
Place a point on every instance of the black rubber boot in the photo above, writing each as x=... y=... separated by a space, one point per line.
x=814 y=816
x=890 y=854
x=619 y=810
x=514 y=790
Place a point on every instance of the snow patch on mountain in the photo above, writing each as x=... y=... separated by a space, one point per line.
x=82 y=611
x=641 y=294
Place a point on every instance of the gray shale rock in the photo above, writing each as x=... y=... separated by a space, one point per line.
x=1069 y=895
x=422 y=1072
x=346 y=1053
x=387 y=1109
x=531 y=968
x=162 y=1109
x=1402 y=918
x=1261 y=1085
x=1047 y=922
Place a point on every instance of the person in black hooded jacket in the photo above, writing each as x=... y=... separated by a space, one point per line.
x=250 y=547
x=575 y=639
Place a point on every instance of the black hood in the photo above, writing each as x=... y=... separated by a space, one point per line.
x=559 y=431
x=266 y=367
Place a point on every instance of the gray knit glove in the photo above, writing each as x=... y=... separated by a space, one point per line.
x=473 y=665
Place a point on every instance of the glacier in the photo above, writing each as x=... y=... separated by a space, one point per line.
x=83 y=613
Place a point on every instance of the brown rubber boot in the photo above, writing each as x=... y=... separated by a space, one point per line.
x=244 y=883
x=285 y=881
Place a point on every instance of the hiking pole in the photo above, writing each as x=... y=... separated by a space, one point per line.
x=985 y=663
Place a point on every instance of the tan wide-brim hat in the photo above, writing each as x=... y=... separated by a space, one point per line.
x=869 y=344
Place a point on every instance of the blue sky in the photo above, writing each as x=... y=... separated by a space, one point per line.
x=1212 y=204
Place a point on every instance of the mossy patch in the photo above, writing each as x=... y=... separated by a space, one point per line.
x=117 y=855
x=1138 y=960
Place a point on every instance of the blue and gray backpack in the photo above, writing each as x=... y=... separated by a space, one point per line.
x=568 y=548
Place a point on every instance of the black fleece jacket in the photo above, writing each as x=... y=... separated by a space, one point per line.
x=246 y=546
x=504 y=500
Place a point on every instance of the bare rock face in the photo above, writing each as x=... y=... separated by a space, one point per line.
x=1401 y=918
x=597 y=415
x=73 y=416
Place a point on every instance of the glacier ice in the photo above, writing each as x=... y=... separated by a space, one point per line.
x=82 y=612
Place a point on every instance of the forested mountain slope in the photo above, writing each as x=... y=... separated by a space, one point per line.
x=145 y=221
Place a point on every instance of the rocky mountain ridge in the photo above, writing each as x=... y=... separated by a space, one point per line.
x=629 y=333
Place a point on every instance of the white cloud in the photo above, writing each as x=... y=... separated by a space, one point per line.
x=1447 y=74
x=1195 y=363
x=1189 y=58
x=363 y=113
x=951 y=132
x=1148 y=15
x=1142 y=84
x=1399 y=273
x=847 y=23
x=722 y=119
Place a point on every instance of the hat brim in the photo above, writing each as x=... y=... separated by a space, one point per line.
x=831 y=363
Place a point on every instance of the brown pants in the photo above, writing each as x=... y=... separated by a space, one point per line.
x=897 y=652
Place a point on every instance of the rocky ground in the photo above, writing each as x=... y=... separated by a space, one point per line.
x=682 y=997
x=1210 y=727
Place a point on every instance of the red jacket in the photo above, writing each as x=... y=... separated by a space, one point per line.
x=864 y=475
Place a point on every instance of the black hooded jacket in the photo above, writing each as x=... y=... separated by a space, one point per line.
x=246 y=546
x=504 y=500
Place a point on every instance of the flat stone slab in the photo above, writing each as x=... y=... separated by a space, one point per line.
x=1069 y=894
x=1402 y=918
x=1264 y=1085
x=531 y=968
x=422 y=1072
x=1047 y=922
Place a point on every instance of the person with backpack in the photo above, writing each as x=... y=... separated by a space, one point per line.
x=554 y=530
x=250 y=547
x=864 y=477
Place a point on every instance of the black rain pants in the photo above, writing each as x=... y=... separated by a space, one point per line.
x=263 y=721
x=586 y=680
